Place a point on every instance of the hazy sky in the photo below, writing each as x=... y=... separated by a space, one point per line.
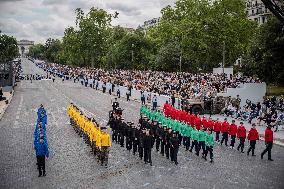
x=38 y=20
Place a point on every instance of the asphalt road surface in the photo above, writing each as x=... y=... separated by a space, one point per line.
x=72 y=165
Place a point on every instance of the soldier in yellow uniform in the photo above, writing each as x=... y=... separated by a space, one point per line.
x=105 y=145
x=75 y=115
x=98 y=139
x=94 y=139
x=91 y=135
x=70 y=111
x=81 y=123
x=98 y=144
x=89 y=126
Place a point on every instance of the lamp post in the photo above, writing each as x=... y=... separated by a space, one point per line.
x=180 y=60
x=223 y=62
x=180 y=57
x=132 y=53
x=179 y=41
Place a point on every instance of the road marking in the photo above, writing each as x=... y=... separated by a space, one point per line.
x=102 y=120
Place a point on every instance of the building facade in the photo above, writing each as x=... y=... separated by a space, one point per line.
x=151 y=23
x=257 y=11
x=24 y=46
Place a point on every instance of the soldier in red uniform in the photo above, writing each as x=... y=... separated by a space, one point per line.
x=183 y=116
x=204 y=122
x=210 y=124
x=268 y=142
x=192 y=118
x=197 y=123
x=217 y=129
x=252 y=137
x=233 y=132
x=241 y=134
x=225 y=130
x=166 y=109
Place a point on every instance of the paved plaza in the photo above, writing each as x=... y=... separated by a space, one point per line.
x=72 y=165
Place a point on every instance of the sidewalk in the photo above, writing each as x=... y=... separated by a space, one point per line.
x=278 y=136
x=5 y=103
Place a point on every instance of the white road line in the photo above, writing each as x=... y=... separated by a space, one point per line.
x=80 y=106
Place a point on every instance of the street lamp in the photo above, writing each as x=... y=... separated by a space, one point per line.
x=180 y=57
x=132 y=53
x=223 y=62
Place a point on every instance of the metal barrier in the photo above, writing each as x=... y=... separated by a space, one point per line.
x=254 y=91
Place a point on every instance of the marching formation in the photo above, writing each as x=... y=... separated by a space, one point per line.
x=168 y=128
x=96 y=137
x=40 y=140
x=225 y=128
x=139 y=139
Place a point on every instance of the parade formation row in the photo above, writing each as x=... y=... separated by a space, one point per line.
x=171 y=128
x=94 y=135
x=40 y=140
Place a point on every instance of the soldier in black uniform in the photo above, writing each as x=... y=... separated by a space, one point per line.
x=114 y=125
x=158 y=136
x=121 y=132
x=163 y=139
x=140 y=146
x=179 y=137
x=168 y=145
x=128 y=135
x=153 y=128
x=135 y=137
x=174 y=141
x=144 y=122
x=147 y=145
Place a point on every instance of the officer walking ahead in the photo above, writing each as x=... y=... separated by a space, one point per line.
x=105 y=144
x=41 y=149
x=268 y=142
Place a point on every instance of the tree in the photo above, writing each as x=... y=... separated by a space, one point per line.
x=201 y=27
x=37 y=51
x=117 y=34
x=93 y=31
x=8 y=48
x=131 y=52
x=266 y=57
x=71 y=48
x=168 y=57
x=52 y=49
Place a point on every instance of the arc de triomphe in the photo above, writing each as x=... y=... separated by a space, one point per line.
x=24 y=46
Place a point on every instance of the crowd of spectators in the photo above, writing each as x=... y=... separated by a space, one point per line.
x=270 y=111
x=185 y=85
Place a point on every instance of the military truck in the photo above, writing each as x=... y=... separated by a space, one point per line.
x=205 y=106
x=195 y=106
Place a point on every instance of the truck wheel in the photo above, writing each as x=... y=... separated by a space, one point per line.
x=196 y=109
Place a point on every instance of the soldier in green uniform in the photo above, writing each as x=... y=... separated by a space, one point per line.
x=209 y=142
x=201 y=142
x=194 y=137
x=187 y=135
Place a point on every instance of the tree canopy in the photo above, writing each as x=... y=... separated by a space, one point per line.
x=266 y=55
x=8 y=48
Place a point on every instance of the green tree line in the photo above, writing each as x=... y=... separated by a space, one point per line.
x=191 y=36
x=8 y=48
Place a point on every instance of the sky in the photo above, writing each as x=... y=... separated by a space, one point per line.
x=38 y=20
